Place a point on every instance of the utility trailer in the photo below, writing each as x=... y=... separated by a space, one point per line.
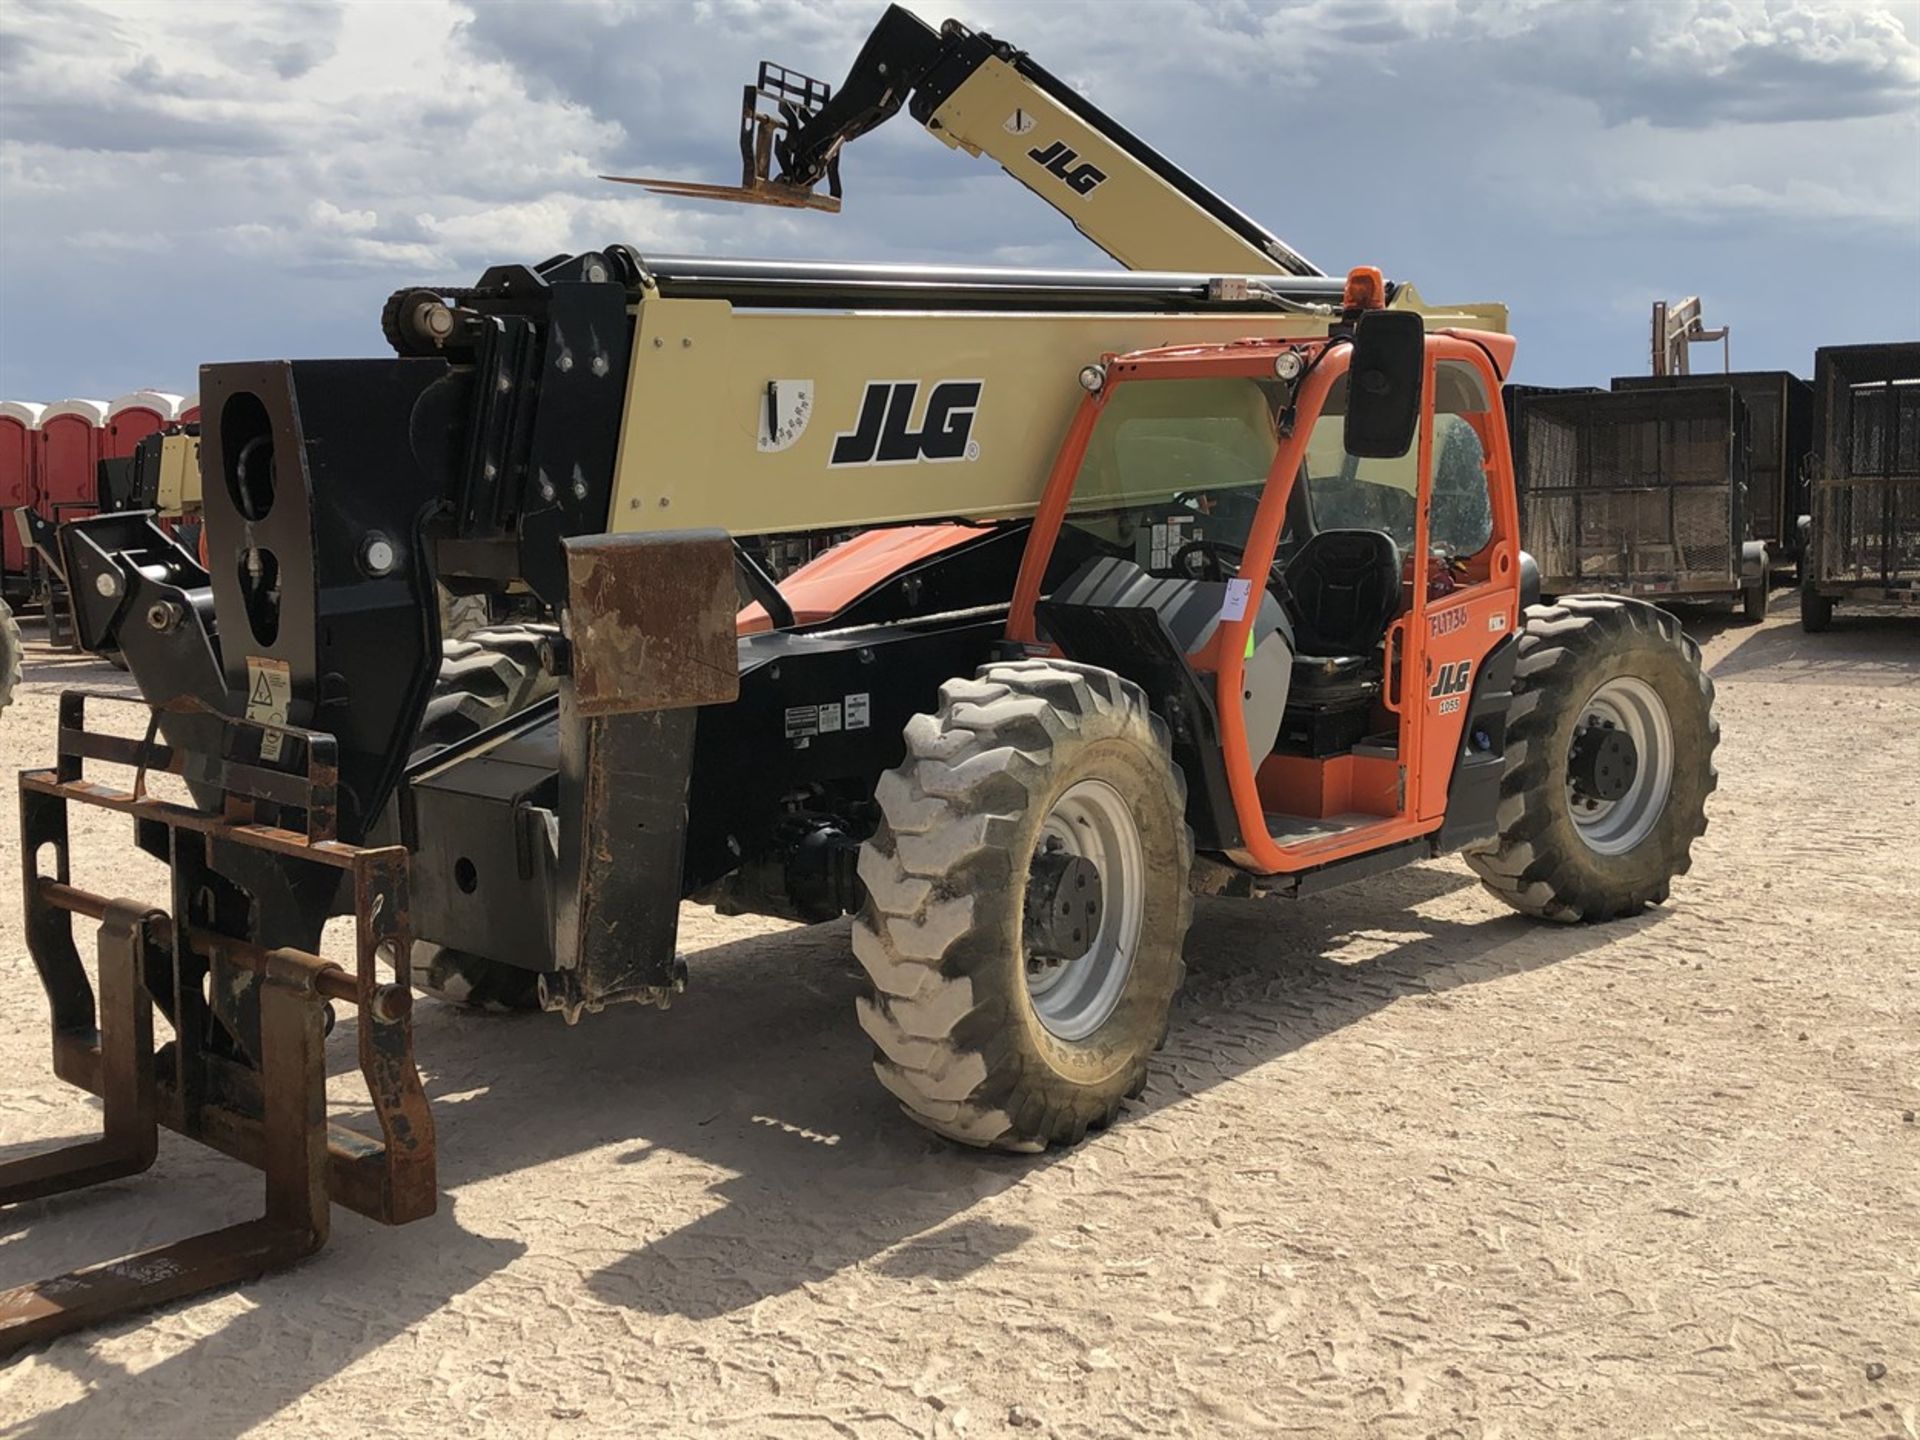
x=1862 y=532
x=1168 y=583
x=1780 y=433
x=1641 y=492
x=1511 y=398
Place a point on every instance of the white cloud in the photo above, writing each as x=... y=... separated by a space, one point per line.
x=286 y=169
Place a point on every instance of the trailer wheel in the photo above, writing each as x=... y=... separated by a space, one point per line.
x=486 y=677
x=1026 y=905
x=1753 y=601
x=11 y=649
x=1609 y=762
x=1816 y=610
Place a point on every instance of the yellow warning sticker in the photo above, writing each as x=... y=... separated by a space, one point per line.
x=269 y=693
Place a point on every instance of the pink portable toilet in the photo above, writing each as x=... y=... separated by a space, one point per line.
x=19 y=477
x=71 y=435
x=133 y=417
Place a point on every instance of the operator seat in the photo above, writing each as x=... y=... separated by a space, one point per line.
x=1343 y=589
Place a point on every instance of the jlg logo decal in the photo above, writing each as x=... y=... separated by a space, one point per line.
x=1453 y=679
x=1061 y=162
x=886 y=435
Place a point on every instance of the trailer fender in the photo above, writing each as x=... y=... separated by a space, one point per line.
x=1755 y=563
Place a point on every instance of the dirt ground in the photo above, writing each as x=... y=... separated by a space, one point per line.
x=1409 y=1166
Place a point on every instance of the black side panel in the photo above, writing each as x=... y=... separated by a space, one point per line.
x=483 y=863
x=818 y=719
x=1473 y=796
x=1135 y=643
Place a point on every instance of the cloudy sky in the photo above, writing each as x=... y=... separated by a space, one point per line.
x=196 y=181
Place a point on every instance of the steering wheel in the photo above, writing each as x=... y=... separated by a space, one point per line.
x=1206 y=559
x=1220 y=560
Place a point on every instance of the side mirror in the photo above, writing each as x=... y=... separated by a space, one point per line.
x=1383 y=384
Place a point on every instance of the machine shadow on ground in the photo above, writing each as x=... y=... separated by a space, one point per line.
x=759 y=1072
x=1864 y=647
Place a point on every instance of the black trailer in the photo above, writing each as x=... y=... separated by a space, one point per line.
x=1862 y=530
x=1780 y=431
x=1639 y=492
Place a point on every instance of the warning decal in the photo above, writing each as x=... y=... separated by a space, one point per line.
x=269 y=694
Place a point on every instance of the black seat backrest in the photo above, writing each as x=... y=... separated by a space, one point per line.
x=1344 y=587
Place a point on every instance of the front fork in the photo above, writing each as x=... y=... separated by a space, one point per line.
x=244 y=1068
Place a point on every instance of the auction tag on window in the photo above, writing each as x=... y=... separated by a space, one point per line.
x=269 y=694
x=1239 y=592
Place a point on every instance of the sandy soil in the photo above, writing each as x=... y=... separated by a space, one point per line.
x=1410 y=1166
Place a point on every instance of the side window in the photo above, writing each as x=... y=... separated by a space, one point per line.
x=1461 y=522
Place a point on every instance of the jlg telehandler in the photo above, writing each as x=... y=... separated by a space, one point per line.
x=1245 y=613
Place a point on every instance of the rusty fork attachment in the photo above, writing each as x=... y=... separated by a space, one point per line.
x=244 y=1071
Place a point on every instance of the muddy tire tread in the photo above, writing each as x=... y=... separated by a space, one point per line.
x=951 y=814
x=1526 y=865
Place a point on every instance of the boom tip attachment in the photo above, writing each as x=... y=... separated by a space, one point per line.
x=761 y=192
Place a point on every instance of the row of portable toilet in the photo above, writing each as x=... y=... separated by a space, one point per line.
x=50 y=454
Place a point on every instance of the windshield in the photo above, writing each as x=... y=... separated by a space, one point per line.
x=1174 y=471
x=1173 y=464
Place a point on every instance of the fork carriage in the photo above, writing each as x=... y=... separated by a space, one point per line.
x=243 y=1070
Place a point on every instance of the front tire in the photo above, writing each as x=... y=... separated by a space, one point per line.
x=459 y=977
x=1030 y=781
x=1609 y=754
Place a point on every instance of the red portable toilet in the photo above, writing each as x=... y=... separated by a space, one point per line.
x=19 y=480
x=71 y=435
x=133 y=417
x=190 y=409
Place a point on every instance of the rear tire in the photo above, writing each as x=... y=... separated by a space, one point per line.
x=980 y=1041
x=12 y=648
x=463 y=616
x=485 y=678
x=1601 y=660
x=1753 y=602
x=459 y=977
x=1816 y=610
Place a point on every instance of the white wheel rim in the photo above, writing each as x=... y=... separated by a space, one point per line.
x=1613 y=827
x=1074 y=997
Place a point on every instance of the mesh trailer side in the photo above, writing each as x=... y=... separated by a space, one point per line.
x=1639 y=492
x=1866 y=493
x=1780 y=432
